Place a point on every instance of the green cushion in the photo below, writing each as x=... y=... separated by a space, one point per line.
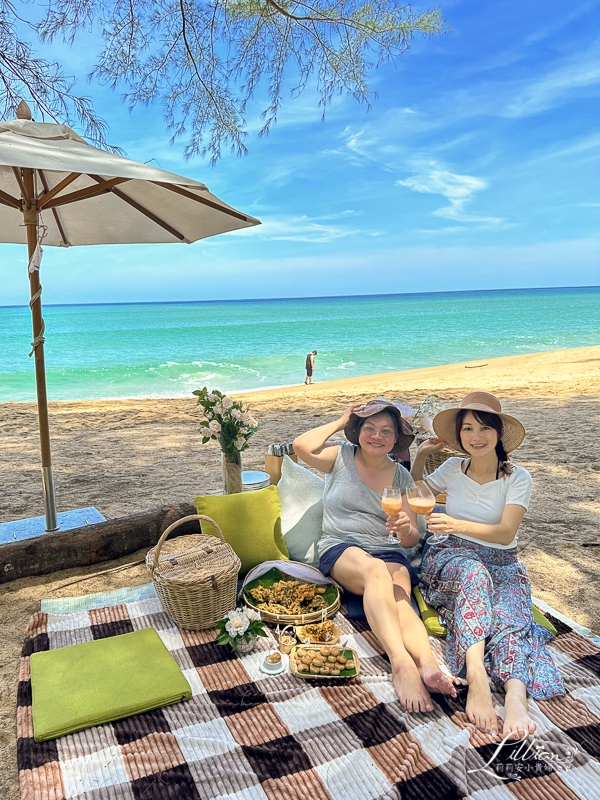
x=429 y=615
x=433 y=626
x=251 y=523
x=101 y=681
x=542 y=620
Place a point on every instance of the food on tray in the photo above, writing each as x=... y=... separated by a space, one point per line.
x=318 y=631
x=309 y=662
x=326 y=651
x=289 y=597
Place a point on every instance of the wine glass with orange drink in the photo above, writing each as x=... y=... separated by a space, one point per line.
x=391 y=502
x=422 y=501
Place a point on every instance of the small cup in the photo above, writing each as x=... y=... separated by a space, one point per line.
x=272 y=666
x=287 y=640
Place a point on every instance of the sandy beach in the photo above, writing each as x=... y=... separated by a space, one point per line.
x=124 y=456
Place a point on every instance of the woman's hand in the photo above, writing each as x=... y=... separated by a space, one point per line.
x=442 y=523
x=431 y=445
x=399 y=524
x=345 y=419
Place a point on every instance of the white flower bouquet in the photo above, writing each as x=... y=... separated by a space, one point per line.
x=422 y=422
x=225 y=420
x=241 y=623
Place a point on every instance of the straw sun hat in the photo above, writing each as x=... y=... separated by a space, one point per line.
x=444 y=423
x=405 y=431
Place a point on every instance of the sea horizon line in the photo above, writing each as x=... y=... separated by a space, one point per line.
x=307 y=297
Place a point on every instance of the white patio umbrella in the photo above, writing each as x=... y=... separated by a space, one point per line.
x=57 y=189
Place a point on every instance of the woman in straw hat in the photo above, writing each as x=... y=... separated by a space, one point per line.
x=355 y=549
x=473 y=577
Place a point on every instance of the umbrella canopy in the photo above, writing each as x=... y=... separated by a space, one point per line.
x=89 y=196
x=57 y=189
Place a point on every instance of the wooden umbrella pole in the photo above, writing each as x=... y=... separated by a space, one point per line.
x=31 y=217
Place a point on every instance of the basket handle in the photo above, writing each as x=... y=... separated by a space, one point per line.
x=176 y=524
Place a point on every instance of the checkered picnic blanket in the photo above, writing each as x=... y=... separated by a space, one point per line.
x=245 y=735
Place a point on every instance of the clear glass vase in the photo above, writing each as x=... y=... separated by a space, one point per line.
x=232 y=472
x=245 y=647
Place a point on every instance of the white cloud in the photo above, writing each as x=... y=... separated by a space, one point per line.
x=458 y=189
x=304 y=229
x=556 y=87
x=582 y=146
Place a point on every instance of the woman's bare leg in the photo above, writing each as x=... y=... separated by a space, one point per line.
x=415 y=635
x=480 y=709
x=362 y=574
x=517 y=721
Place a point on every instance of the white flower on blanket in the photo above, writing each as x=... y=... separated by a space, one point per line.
x=238 y=623
x=251 y=613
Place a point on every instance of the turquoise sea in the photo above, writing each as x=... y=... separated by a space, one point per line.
x=170 y=349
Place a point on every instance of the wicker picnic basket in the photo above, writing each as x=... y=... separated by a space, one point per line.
x=435 y=460
x=195 y=577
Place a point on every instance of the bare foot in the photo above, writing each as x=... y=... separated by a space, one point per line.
x=409 y=687
x=434 y=678
x=517 y=722
x=479 y=708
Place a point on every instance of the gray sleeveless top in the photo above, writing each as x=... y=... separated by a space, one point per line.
x=352 y=511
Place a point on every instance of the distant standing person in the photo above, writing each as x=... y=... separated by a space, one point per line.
x=310 y=365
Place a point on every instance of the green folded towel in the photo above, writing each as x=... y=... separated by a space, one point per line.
x=95 y=682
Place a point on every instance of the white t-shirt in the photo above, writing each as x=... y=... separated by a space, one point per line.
x=470 y=501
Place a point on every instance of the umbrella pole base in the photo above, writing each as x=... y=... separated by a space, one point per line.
x=36 y=526
x=49 y=501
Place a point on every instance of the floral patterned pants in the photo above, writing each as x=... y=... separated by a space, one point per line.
x=484 y=593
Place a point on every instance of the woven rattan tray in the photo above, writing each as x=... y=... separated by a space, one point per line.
x=272 y=576
x=345 y=673
x=302 y=635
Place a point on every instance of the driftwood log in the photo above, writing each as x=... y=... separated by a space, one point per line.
x=91 y=544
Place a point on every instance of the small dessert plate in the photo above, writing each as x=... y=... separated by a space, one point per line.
x=274 y=668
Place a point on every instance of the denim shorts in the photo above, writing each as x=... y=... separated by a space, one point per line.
x=390 y=556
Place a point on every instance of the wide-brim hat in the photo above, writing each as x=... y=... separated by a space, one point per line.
x=405 y=431
x=444 y=423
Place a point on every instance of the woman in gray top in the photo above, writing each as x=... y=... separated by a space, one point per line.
x=354 y=548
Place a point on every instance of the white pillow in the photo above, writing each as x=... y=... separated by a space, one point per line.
x=301 y=496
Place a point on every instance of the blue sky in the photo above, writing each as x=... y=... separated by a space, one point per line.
x=477 y=167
